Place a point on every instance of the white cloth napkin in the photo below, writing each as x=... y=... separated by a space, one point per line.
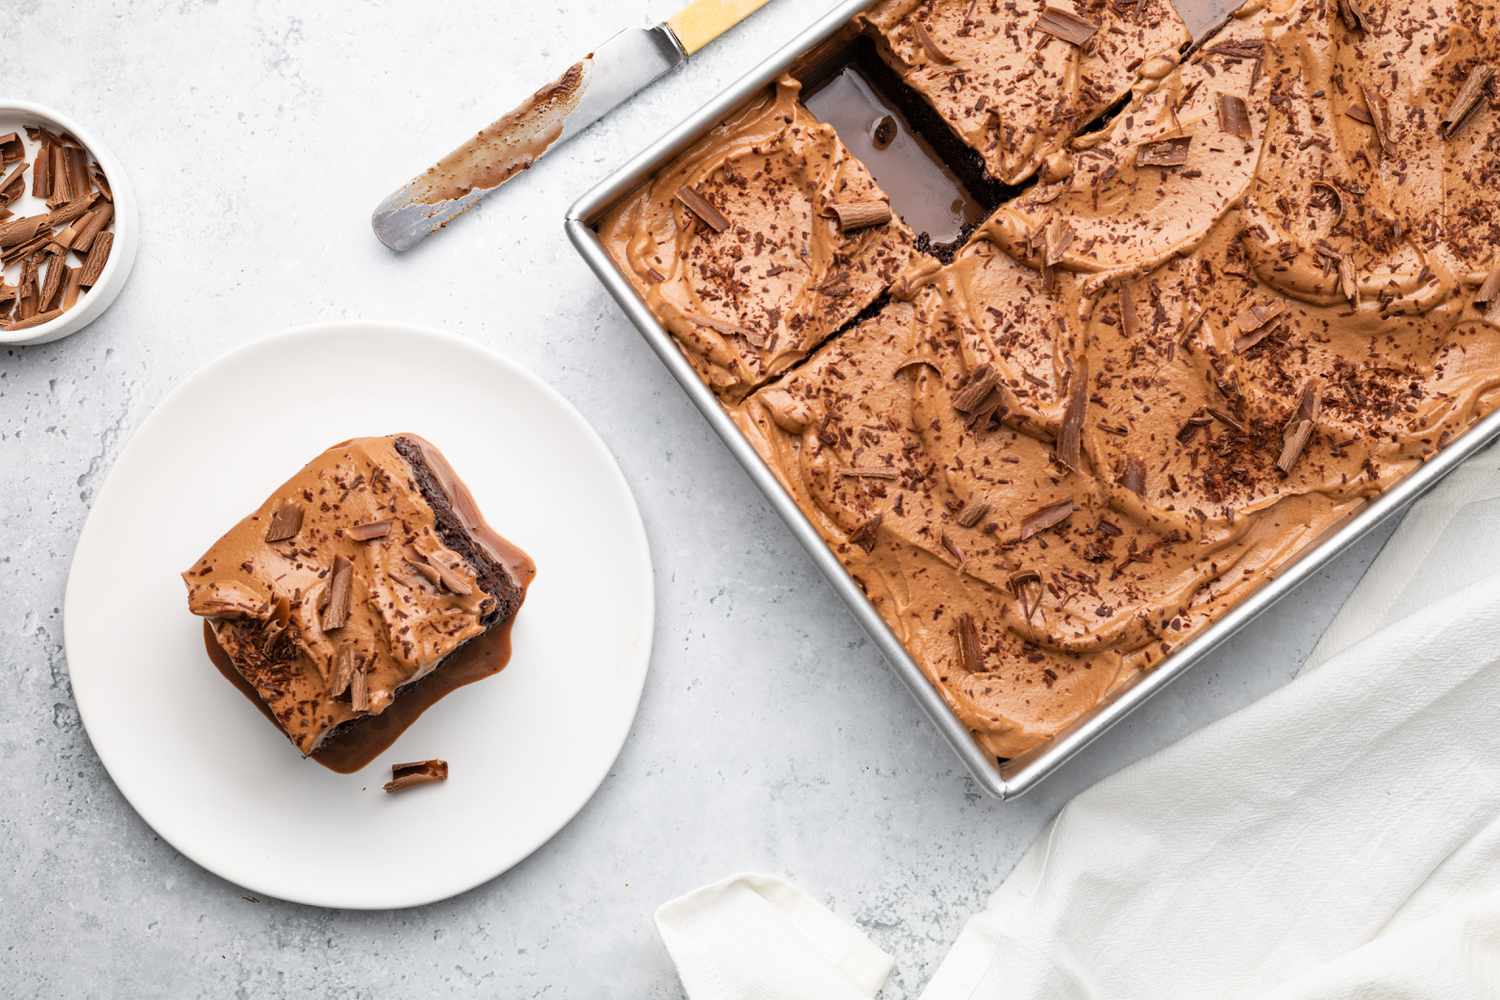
x=758 y=937
x=1338 y=840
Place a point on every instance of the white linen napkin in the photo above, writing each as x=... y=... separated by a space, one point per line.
x=1338 y=839
x=758 y=937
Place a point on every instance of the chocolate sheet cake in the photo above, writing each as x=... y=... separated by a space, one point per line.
x=364 y=573
x=1214 y=326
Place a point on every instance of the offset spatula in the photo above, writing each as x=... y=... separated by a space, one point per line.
x=588 y=89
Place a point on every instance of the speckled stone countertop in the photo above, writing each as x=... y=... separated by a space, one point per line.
x=771 y=736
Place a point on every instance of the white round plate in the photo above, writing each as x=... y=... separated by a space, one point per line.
x=526 y=748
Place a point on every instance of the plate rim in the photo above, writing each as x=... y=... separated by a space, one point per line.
x=638 y=537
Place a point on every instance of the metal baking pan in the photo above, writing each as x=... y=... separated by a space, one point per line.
x=1002 y=779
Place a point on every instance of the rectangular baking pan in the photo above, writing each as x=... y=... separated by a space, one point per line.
x=1013 y=777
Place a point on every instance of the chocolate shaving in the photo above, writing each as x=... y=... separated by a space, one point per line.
x=952 y=547
x=89 y=227
x=1129 y=322
x=276 y=626
x=76 y=169
x=1348 y=282
x=976 y=389
x=1376 y=111
x=340 y=595
x=866 y=534
x=1489 y=291
x=359 y=691
x=1066 y=25
x=30 y=290
x=11 y=147
x=368 y=531
x=72 y=209
x=991 y=408
x=1164 y=152
x=856 y=215
x=427 y=570
x=1465 y=101
x=1058 y=237
x=34 y=320
x=1227 y=420
x=53 y=285
x=439 y=573
x=1256 y=324
x=1338 y=200
x=1259 y=314
x=870 y=472
x=974 y=512
x=93 y=264
x=343 y=669
x=1026 y=586
x=420 y=772
x=286 y=521
x=1069 y=446
x=1133 y=478
x=1359 y=113
x=1246 y=343
x=924 y=38
x=1234 y=116
x=18 y=231
x=13 y=185
x=699 y=206
x=1191 y=427
x=1351 y=15
x=1047 y=517
x=62 y=179
x=836 y=285
x=41 y=172
x=101 y=182
x=1299 y=429
x=71 y=287
x=970 y=656
x=1241 y=49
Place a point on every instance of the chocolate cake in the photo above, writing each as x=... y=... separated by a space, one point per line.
x=751 y=247
x=365 y=573
x=1014 y=80
x=1213 y=327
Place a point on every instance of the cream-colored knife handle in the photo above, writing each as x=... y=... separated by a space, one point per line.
x=701 y=21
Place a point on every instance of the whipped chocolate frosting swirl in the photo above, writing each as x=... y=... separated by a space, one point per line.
x=1005 y=78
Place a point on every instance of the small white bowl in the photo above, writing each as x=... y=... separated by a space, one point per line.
x=15 y=114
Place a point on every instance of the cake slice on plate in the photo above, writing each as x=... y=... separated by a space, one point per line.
x=366 y=572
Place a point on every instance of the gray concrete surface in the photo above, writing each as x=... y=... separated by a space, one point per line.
x=259 y=135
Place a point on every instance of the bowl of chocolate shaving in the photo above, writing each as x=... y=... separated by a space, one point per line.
x=68 y=225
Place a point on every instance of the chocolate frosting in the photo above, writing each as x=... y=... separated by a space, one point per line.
x=1013 y=93
x=751 y=301
x=413 y=599
x=1153 y=379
